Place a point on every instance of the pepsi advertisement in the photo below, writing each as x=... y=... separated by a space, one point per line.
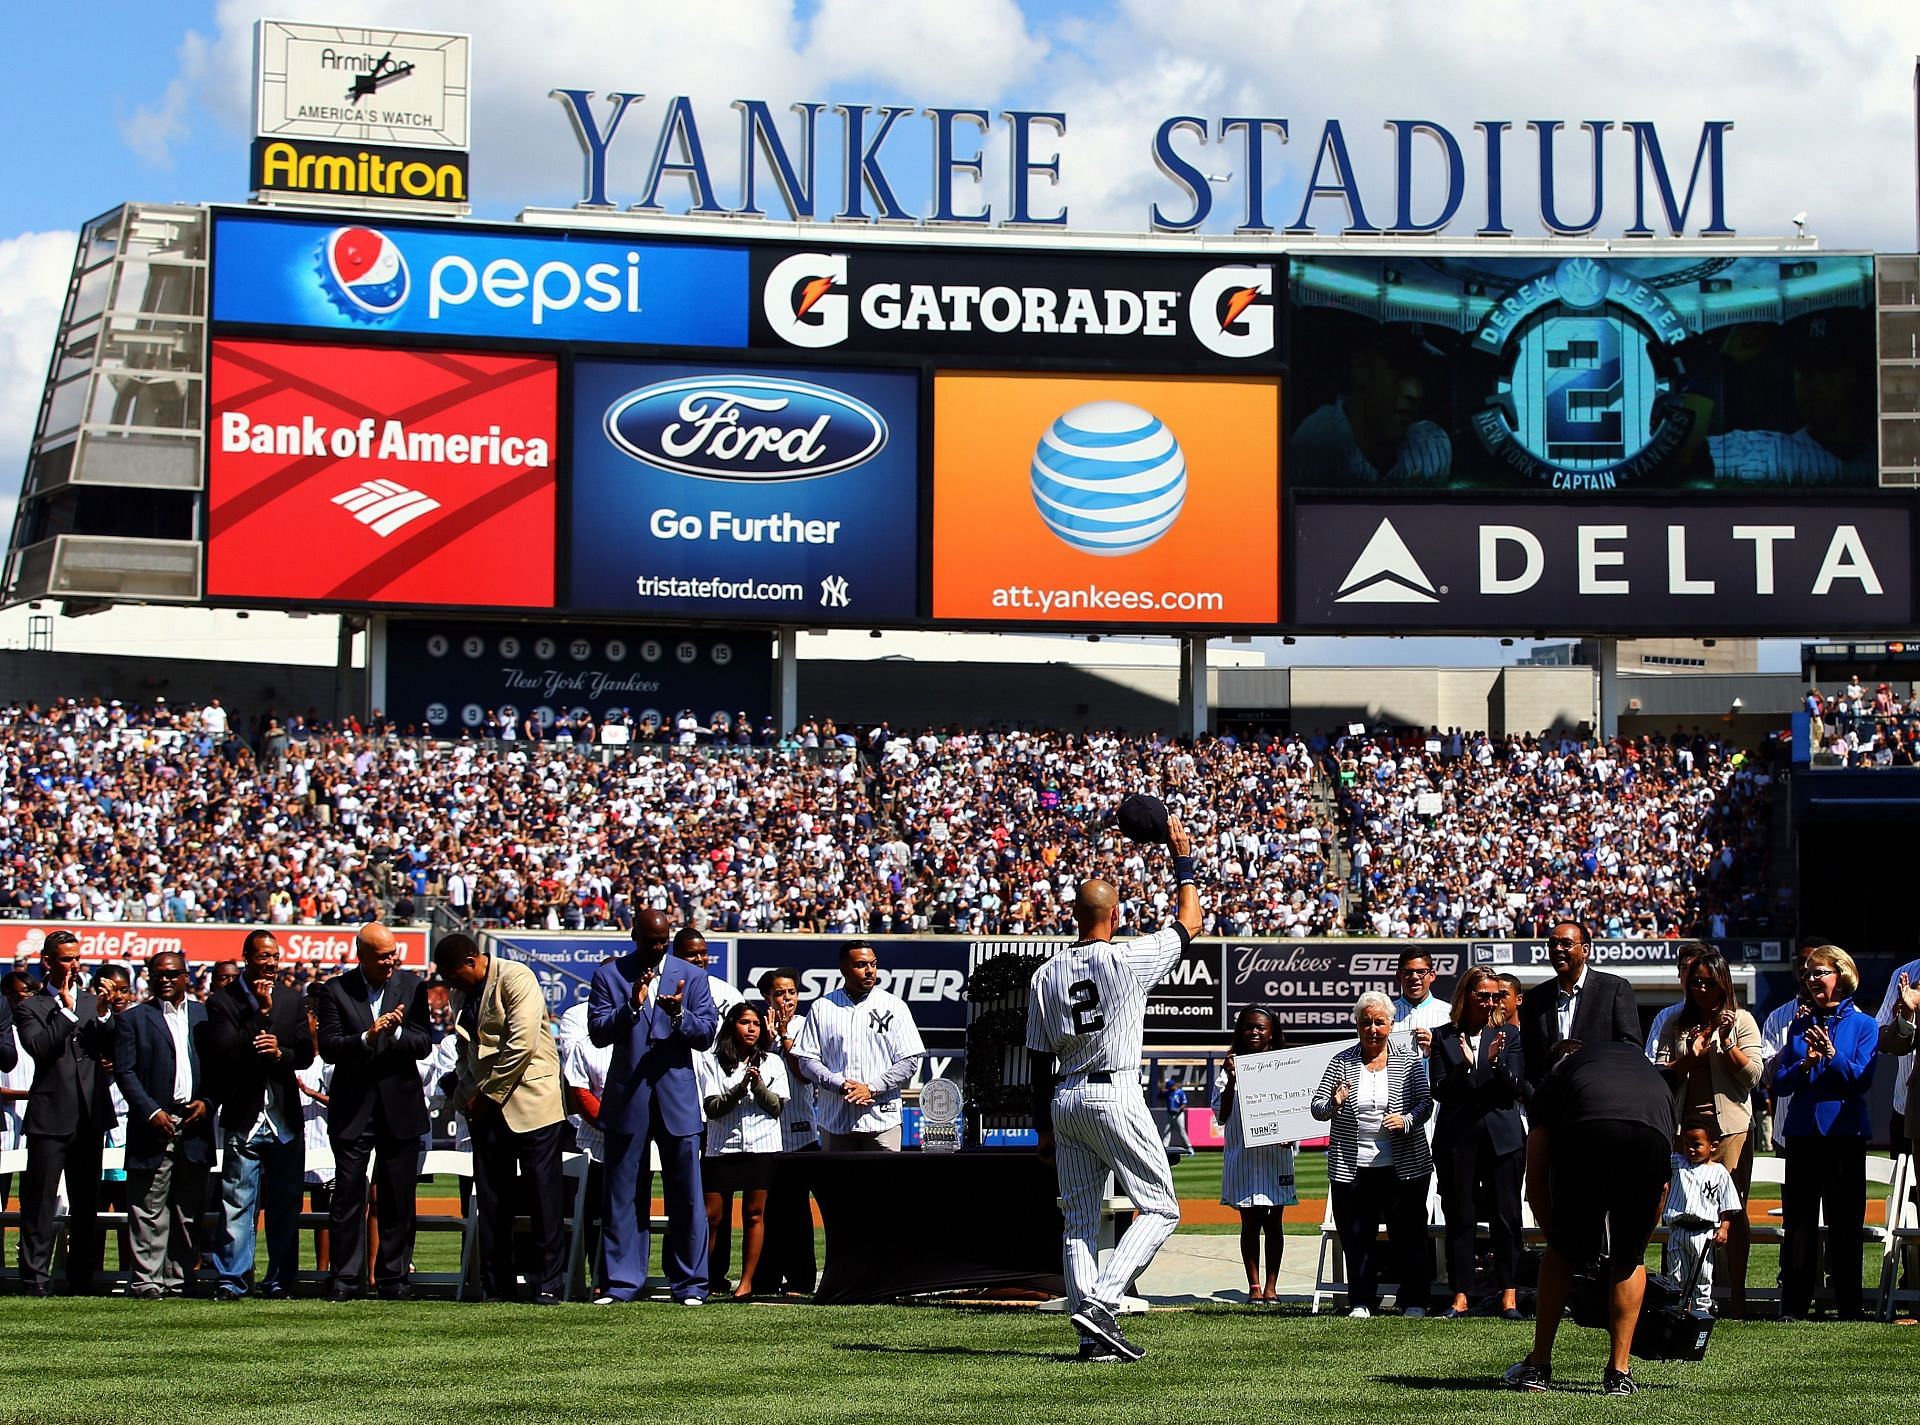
x=772 y=494
x=456 y=677
x=1583 y=377
x=443 y=280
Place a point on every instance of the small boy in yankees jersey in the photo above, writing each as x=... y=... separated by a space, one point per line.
x=1085 y=1013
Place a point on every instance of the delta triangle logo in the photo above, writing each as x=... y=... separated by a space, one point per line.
x=1386 y=573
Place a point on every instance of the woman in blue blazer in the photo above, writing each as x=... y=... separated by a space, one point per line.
x=1479 y=1140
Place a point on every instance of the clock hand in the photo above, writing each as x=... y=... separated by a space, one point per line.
x=365 y=84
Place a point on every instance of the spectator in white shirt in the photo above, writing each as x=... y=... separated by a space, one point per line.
x=1418 y=1011
x=743 y=1089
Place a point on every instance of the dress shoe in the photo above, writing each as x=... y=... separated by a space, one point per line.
x=276 y=1292
x=228 y=1294
x=40 y=1289
x=145 y=1293
x=400 y=1292
x=1511 y=1313
x=342 y=1293
x=1453 y=1313
x=546 y=1298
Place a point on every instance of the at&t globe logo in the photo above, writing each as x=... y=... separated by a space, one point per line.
x=363 y=273
x=1109 y=478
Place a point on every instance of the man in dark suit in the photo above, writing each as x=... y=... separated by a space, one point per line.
x=1577 y=1003
x=374 y=1029
x=656 y=1011
x=66 y=1030
x=157 y=1063
x=257 y=1040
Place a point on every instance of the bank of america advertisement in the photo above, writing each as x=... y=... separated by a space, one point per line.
x=760 y=493
x=1587 y=376
x=457 y=280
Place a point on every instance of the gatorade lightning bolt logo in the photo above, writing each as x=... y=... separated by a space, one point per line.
x=1236 y=304
x=811 y=293
x=363 y=273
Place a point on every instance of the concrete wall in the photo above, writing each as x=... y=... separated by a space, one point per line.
x=1537 y=699
x=913 y=694
x=245 y=689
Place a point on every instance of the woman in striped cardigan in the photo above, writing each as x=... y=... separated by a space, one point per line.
x=1377 y=1160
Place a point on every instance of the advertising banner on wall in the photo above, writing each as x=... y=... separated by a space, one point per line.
x=969 y=302
x=1108 y=501
x=360 y=475
x=339 y=170
x=448 y=676
x=1475 y=567
x=771 y=493
x=1312 y=984
x=565 y=960
x=135 y=942
x=443 y=280
x=1593 y=376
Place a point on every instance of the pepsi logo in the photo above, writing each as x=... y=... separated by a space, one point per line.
x=363 y=273
x=755 y=428
x=1109 y=478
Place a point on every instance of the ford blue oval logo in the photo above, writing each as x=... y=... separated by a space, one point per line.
x=745 y=428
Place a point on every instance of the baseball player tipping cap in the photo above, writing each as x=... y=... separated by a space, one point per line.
x=1085 y=1016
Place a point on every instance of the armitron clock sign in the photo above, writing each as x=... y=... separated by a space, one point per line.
x=354 y=85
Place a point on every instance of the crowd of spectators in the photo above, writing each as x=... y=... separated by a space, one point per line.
x=1644 y=837
x=1861 y=726
x=111 y=812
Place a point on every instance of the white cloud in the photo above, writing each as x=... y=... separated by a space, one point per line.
x=34 y=269
x=154 y=130
x=1823 y=110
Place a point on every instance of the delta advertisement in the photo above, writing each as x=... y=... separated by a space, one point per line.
x=1160 y=311
x=762 y=492
x=1587 y=376
x=381 y=476
x=454 y=677
x=443 y=280
x=1109 y=501
x=136 y=942
x=1479 y=566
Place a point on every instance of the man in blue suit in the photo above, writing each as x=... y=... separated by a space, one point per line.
x=156 y=1062
x=656 y=1011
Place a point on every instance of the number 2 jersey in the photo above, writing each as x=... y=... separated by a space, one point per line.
x=1087 y=1004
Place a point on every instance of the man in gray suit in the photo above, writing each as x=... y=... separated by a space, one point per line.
x=157 y=1063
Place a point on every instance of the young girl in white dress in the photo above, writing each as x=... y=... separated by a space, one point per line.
x=1257 y=1181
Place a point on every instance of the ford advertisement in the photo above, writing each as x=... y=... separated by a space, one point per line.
x=441 y=280
x=762 y=493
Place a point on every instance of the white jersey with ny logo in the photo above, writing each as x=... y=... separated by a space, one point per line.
x=1087 y=1004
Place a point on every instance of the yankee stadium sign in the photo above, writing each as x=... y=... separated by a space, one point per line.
x=781 y=163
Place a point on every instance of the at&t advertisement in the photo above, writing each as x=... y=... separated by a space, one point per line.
x=1107 y=501
x=764 y=493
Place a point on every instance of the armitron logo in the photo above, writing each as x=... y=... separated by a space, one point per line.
x=384 y=506
x=755 y=428
x=363 y=273
x=283 y=167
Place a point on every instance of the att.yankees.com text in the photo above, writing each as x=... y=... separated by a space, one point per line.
x=1094 y=599
x=669 y=588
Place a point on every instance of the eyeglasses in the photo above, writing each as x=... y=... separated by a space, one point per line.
x=166 y=974
x=1702 y=982
x=1490 y=996
x=1411 y=974
x=1819 y=972
x=1562 y=942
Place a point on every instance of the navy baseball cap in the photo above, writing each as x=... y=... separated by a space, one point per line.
x=1142 y=818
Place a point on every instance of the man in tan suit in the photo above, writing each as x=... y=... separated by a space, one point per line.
x=509 y=1088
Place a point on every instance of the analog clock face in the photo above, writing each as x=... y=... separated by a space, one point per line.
x=357 y=85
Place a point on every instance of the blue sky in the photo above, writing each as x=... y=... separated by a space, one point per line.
x=114 y=101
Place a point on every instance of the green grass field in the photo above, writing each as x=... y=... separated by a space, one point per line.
x=419 y=1363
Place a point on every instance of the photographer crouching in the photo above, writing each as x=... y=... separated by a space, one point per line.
x=1598 y=1153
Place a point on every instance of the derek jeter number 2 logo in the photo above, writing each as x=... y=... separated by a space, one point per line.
x=833 y=592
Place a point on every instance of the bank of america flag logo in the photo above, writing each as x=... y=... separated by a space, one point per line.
x=384 y=506
x=1386 y=573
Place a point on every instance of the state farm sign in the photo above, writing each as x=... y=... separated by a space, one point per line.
x=137 y=942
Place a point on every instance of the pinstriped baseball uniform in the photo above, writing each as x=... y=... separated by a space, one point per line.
x=1087 y=1007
